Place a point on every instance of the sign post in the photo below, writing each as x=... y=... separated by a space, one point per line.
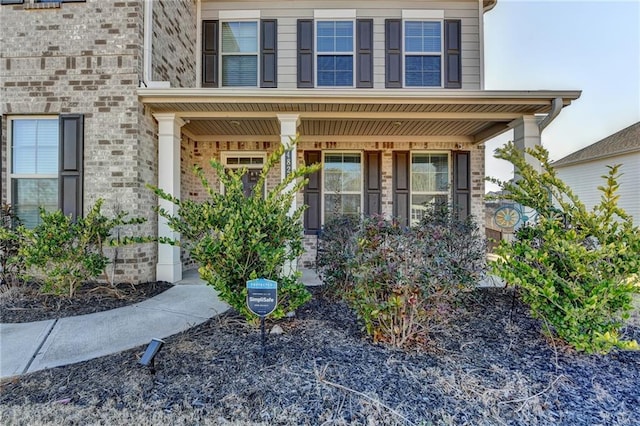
x=262 y=299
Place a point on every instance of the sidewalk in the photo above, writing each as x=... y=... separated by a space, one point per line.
x=29 y=347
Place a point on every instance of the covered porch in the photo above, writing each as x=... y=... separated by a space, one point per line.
x=379 y=128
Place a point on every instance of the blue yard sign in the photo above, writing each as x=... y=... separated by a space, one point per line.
x=262 y=296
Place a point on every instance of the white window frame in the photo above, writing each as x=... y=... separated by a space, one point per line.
x=240 y=18
x=434 y=193
x=9 y=154
x=323 y=186
x=405 y=54
x=317 y=20
x=224 y=157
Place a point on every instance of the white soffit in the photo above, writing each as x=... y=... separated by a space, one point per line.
x=239 y=14
x=422 y=14
x=334 y=14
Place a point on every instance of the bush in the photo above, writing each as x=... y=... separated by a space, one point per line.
x=454 y=252
x=11 y=264
x=236 y=238
x=399 y=280
x=576 y=269
x=66 y=254
x=337 y=247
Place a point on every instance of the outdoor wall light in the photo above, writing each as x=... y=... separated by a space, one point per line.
x=148 y=358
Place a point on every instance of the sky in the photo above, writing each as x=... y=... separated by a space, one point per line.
x=593 y=46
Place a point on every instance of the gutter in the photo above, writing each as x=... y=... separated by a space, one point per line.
x=556 y=107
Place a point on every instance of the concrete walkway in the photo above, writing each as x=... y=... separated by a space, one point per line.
x=29 y=347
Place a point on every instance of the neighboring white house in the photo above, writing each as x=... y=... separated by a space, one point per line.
x=583 y=169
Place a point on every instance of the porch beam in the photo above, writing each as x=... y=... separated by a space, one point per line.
x=355 y=115
x=169 y=266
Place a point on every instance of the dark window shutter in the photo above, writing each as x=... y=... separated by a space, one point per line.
x=462 y=183
x=393 y=53
x=305 y=53
x=71 y=159
x=312 y=194
x=209 y=53
x=11 y=1
x=269 y=53
x=452 y=54
x=373 y=183
x=401 y=202
x=364 y=52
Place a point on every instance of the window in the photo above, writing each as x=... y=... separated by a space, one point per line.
x=34 y=167
x=239 y=47
x=429 y=182
x=335 y=52
x=342 y=184
x=423 y=53
x=252 y=162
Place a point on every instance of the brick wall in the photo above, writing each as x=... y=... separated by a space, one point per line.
x=174 y=42
x=86 y=58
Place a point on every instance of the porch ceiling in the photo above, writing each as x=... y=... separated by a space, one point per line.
x=462 y=115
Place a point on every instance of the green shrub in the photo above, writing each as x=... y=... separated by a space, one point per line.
x=576 y=269
x=11 y=264
x=65 y=254
x=236 y=238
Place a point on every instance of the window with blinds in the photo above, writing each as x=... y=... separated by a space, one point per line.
x=423 y=53
x=34 y=167
x=239 y=48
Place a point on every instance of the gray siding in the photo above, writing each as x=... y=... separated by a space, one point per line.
x=288 y=12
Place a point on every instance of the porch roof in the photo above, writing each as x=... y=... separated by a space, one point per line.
x=444 y=115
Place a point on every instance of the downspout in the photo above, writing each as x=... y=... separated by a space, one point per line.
x=147 y=41
x=556 y=107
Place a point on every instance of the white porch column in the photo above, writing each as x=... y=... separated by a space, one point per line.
x=288 y=130
x=526 y=134
x=169 y=267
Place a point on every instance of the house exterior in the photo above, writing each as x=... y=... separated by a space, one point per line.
x=100 y=98
x=583 y=169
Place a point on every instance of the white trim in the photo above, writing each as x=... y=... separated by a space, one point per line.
x=404 y=53
x=222 y=54
x=243 y=154
x=323 y=191
x=334 y=14
x=227 y=15
x=9 y=169
x=448 y=192
x=352 y=53
x=422 y=14
x=147 y=73
x=198 y=43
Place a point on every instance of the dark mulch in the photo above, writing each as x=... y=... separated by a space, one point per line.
x=488 y=365
x=24 y=303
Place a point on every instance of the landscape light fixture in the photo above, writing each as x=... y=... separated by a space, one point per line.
x=148 y=358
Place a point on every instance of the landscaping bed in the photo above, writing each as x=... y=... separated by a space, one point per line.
x=24 y=303
x=488 y=365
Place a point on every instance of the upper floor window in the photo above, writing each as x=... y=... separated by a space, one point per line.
x=335 y=50
x=239 y=42
x=423 y=53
